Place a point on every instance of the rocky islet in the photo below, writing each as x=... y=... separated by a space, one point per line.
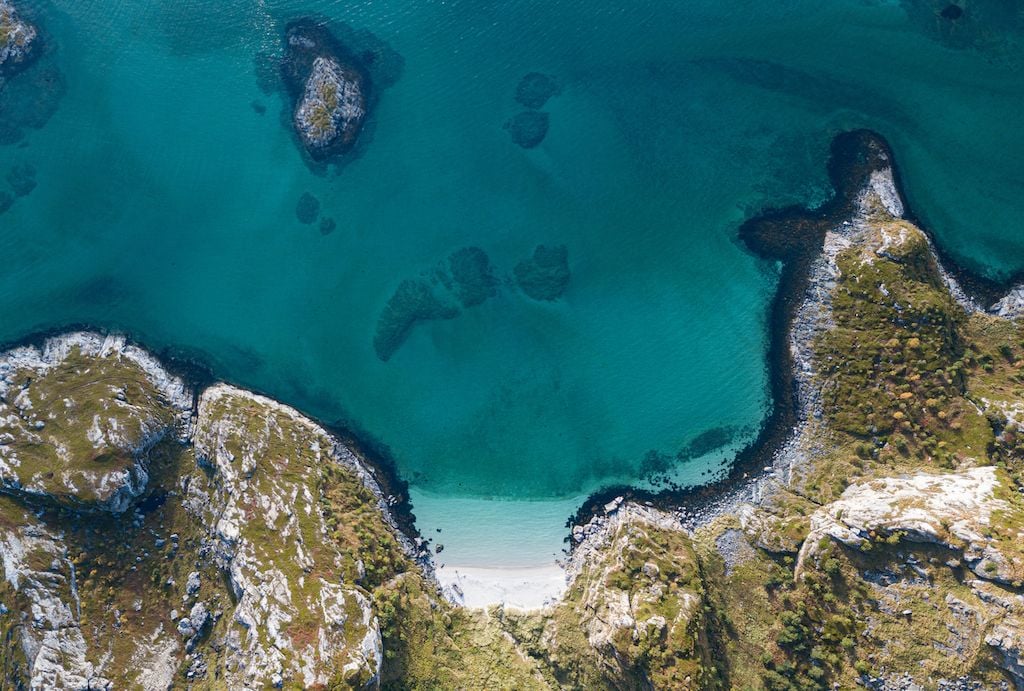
x=330 y=90
x=19 y=40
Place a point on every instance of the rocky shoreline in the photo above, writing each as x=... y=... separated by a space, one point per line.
x=797 y=238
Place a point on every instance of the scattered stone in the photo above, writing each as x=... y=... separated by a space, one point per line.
x=546 y=275
x=534 y=90
x=528 y=128
x=192 y=585
x=258 y=107
x=327 y=225
x=307 y=210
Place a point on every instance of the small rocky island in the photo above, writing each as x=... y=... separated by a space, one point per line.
x=329 y=87
x=18 y=40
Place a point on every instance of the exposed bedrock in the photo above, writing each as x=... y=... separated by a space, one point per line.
x=330 y=89
x=239 y=548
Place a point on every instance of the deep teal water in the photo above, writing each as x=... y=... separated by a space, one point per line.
x=165 y=205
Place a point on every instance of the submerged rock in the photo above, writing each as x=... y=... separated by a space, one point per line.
x=413 y=302
x=330 y=89
x=327 y=225
x=534 y=90
x=307 y=210
x=473 y=276
x=22 y=179
x=544 y=276
x=528 y=128
x=18 y=39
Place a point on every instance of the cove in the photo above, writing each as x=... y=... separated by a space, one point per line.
x=167 y=188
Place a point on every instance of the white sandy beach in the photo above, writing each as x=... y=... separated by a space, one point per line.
x=523 y=588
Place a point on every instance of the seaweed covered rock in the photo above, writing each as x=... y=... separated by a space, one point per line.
x=545 y=275
x=329 y=87
x=535 y=88
x=18 y=39
x=413 y=302
x=474 y=279
x=528 y=128
x=78 y=416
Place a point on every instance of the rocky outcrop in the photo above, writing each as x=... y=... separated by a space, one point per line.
x=78 y=415
x=237 y=540
x=37 y=565
x=295 y=617
x=18 y=40
x=636 y=598
x=954 y=510
x=331 y=90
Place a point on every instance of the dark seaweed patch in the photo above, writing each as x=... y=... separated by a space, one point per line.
x=29 y=100
x=327 y=225
x=545 y=275
x=534 y=90
x=528 y=128
x=474 y=279
x=22 y=179
x=307 y=210
x=412 y=302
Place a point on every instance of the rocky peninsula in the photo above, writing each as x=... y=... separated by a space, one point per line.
x=160 y=533
x=330 y=90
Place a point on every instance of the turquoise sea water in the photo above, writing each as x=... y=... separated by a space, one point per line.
x=167 y=183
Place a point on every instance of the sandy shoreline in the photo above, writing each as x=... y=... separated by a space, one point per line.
x=524 y=588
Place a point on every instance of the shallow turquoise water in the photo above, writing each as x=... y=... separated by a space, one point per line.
x=165 y=205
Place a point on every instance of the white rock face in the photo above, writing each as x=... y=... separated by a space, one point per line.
x=332 y=107
x=52 y=639
x=293 y=621
x=1012 y=304
x=954 y=510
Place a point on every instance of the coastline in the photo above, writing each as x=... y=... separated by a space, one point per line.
x=793 y=236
